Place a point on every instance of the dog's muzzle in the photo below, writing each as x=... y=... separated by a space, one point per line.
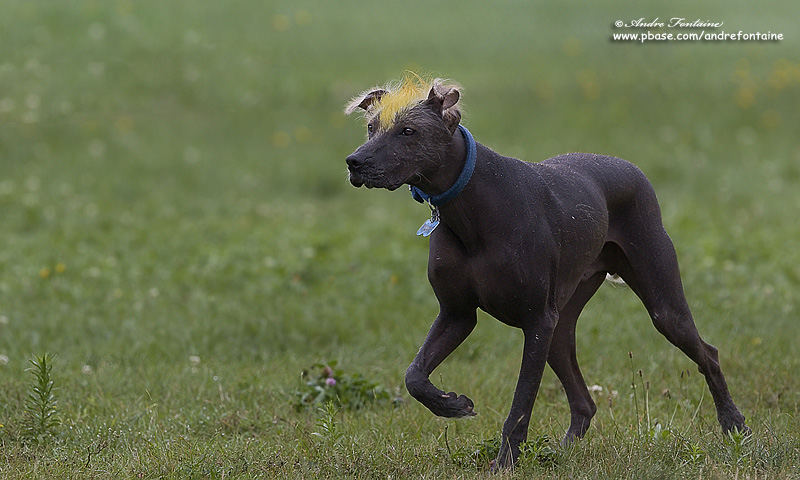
x=354 y=166
x=362 y=172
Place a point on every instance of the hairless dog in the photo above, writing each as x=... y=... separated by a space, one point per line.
x=529 y=243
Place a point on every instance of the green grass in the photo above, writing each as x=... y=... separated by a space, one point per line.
x=176 y=228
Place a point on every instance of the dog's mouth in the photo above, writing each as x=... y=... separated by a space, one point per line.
x=373 y=181
x=355 y=181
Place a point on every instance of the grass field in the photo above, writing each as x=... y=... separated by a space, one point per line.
x=177 y=229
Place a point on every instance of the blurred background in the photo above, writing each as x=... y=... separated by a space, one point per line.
x=172 y=177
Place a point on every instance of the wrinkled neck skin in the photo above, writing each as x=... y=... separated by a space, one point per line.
x=444 y=175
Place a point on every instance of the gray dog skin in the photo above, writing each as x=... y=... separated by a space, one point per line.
x=528 y=243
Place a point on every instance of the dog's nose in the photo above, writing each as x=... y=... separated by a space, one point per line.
x=354 y=161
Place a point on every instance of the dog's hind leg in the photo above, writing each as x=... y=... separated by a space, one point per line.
x=446 y=333
x=564 y=362
x=650 y=268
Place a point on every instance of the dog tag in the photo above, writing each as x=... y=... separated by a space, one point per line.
x=430 y=225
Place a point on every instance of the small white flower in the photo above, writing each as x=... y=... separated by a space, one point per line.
x=97 y=68
x=87 y=369
x=3 y=359
x=191 y=37
x=595 y=388
x=191 y=74
x=191 y=155
x=97 y=148
x=33 y=101
x=194 y=359
x=97 y=31
x=66 y=107
x=30 y=117
x=7 y=105
x=91 y=210
x=3 y=320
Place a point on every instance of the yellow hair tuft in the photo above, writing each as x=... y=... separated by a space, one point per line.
x=387 y=101
x=410 y=91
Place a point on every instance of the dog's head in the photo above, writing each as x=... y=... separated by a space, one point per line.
x=409 y=129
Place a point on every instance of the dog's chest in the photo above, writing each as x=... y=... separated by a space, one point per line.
x=500 y=280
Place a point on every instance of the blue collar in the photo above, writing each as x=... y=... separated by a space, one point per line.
x=461 y=182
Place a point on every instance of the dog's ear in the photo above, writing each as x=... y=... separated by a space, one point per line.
x=364 y=101
x=444 y=95
x=444 y=98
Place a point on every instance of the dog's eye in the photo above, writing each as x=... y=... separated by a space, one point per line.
x=370 y=128
x=407 y=131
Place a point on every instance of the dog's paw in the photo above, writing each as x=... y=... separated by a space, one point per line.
x=454 y=406
x=742 y=430
x=733 y=423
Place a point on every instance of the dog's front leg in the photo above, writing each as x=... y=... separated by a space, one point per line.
x=447 y=333
x=534 y=358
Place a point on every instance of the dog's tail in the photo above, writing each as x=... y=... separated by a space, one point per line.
x=615 y=279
